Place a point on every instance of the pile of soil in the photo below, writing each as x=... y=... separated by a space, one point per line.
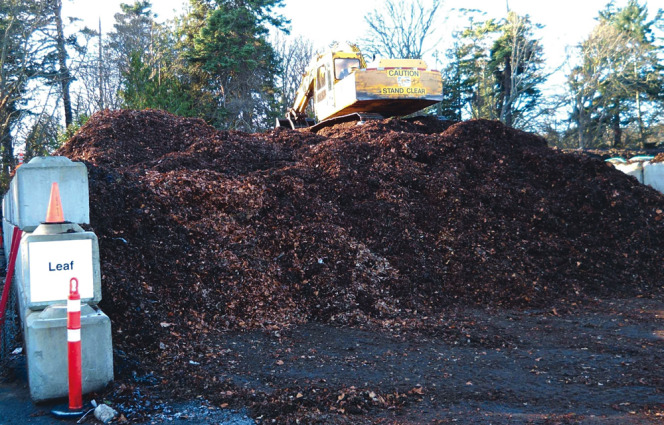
x=390 y=222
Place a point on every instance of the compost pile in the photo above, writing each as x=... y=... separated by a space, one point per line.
x=203 y=231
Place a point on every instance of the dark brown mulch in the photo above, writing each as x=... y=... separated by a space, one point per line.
x=202 y=231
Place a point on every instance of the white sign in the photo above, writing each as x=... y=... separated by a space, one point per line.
x=404 y=81
x=54 y=263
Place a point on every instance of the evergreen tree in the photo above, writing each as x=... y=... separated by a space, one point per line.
x=619 y=81
x=516 y=62
x=231 y=65
x=457 y=84
x=134 y=32
x=494 y=71
x=143 y=88
x=148 y=65
x=477 y=79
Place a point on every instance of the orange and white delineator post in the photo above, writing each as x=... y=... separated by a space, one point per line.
x=74 y=346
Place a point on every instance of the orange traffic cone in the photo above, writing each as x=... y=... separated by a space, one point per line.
x=54 y=212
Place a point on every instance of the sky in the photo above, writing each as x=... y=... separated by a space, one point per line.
x=566 y=22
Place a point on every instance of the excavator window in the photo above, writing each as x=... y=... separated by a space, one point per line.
x=320 y=78
x=343 y=66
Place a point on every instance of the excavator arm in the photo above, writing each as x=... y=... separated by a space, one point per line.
x=296 y=116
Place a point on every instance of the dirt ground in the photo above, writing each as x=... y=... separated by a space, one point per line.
x=598 y=363
x=594 y=365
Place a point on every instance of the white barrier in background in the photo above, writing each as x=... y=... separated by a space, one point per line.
x=632 y=168
x=640 y=167
x=653 y=175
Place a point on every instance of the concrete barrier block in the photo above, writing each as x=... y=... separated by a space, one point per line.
x=653 y=175
x=46 y=351
x=633 y=169
x=26 y=202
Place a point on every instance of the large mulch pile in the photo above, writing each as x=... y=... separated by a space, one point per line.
x=202 y=231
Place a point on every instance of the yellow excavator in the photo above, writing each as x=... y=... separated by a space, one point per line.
x=344 y=88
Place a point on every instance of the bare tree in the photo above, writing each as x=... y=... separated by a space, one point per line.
x=293 y=54
x=400 y=28
x=584 y=80
x=20 y=50
x=100 y=49
x=517 y=64
x=607 y=71
x=497 y=69
x=97 y=77
x=63 y=71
